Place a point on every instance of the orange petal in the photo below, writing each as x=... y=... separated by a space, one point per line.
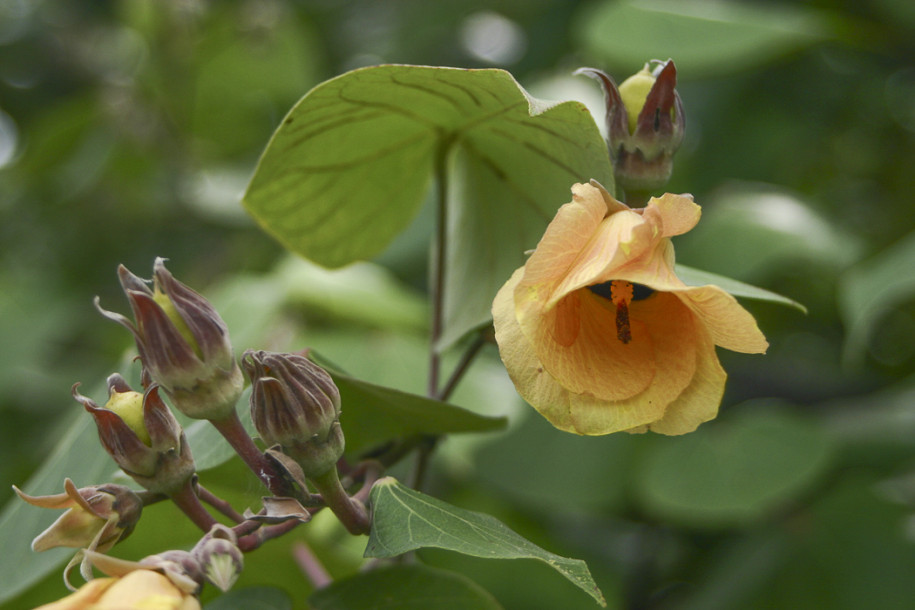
x=145 y=589
x=730 y=325
x=699 y=402
x=568 y=232
x=673 y=214
x=675 y=341
x=596 y=362
x=615 y=241
x=533 y=383
x=87 y=595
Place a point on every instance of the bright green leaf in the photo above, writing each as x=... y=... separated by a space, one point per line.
x=703 y=37
x=405 y=520
x=352 y=163
x=732 y=472
x=696 y=277
x=410 y=587
x=374 y=414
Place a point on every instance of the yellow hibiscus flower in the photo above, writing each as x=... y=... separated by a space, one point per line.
x=140 y=589
x=599 y=334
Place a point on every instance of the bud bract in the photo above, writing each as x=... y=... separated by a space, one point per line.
x=142 y=436
x=183 y=344
x=645 y=125
x=295 y=404
x=96 y=517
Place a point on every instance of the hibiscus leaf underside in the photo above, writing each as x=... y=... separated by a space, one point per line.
x=352 y=163
x=404 y=520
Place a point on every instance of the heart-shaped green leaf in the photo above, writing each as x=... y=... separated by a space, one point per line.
x=352 y=162
x=404 y=520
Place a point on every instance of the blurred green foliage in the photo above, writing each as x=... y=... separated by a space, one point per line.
x=129 y=129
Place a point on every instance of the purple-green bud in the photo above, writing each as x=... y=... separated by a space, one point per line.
x=96 y=517
x=645 y=125
x=295 y=404
x=219 y=556
x=142 y=436
x=183 y=344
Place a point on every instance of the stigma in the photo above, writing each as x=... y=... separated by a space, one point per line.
x=621 y=296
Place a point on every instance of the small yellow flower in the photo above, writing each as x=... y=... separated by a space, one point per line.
x=140 y=589
x=599 y=334
x=96 y=517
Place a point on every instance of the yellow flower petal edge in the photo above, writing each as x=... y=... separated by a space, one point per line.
x=599 y=334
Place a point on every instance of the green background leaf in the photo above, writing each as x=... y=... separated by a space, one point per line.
x=351 y=165
x=404 y=520
x=413 y=587
x=252 y=598
x=373 y=414
x=703 y=37
x=731 y=473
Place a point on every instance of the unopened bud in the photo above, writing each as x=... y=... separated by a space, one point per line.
x=219 y=557
x=645 y=125
x=183 y=344
x=295 y=404
x=153 y=449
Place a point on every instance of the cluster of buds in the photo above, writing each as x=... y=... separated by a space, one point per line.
x=186 y=357
x=645 y=125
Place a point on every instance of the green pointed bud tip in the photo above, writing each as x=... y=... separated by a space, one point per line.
x=129 y=407
x=181 y=326
x=634 y=91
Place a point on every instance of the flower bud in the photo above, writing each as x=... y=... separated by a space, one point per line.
x=183 y=344
x=96 y=517
x=219 y=557
x=142 y=436
x=295 y=404
x=645 y=125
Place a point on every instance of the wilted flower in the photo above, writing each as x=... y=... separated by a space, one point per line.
x=645 y=125
x=600 y=335
x=140 y=433
x=183 y=343
x=295 y=404
x=136 y=589
x=96 y=517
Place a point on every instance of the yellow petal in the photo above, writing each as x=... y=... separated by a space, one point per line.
x=145 y=590
x=566 y=235
x=616 y=240
x=675 y=342
x=594 y=361
x=673 y=214
x=533 y=383
x=729 y=324
x=699 y=402
x=84 y=598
